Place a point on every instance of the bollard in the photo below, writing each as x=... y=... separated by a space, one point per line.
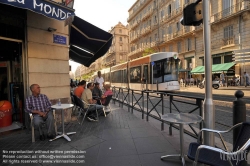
x=239 y=112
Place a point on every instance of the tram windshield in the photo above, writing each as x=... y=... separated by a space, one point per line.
x=166 y=70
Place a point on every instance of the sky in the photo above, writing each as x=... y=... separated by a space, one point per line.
x=102 y=13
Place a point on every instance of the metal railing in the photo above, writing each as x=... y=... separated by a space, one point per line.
x=135 y=100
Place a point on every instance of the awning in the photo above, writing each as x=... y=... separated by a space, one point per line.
x=198 y=70
x=218 y=68
x=87 y=42
x=47 y=8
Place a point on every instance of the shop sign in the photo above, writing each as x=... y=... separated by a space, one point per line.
x=58 y=39
x=42 y=7
x=3 y=64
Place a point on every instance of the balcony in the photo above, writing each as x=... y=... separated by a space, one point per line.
x=135 y=38
x=229 y=41
x=147 y=14
x=133 y=26
x=137 y=10
x=145 y=31
x=237 y=8
x=163 y=2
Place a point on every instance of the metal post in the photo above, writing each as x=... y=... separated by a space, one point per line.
x=147 y=104
x=128 y=100
x=132 y=101
x=170 y=111
x=208 y=105
x=162 y=110
x=152 y=78
x=239 y=112
x=142 y=93
x=122 y=97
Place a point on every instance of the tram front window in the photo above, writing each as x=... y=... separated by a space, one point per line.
x=170 y=70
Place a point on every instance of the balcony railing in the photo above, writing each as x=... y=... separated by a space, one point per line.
x=147 y=14
x=230 y=11
x=138 y=9
x=228 y=41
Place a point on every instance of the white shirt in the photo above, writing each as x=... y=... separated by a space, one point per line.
x=100 y=80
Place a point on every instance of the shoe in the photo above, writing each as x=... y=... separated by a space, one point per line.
x=51 y=136
x=42 y=137
x=107 y=112
x=92 y=118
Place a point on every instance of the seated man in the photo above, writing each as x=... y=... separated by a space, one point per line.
x=79 y=90
x=88 y=98
x=39 y=105
x=97 y=93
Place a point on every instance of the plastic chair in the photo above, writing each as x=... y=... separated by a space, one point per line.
x=33 y=128
x=219 y=157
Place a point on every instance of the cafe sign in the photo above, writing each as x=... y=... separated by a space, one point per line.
x=47 y=8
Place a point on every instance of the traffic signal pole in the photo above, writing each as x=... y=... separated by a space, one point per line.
x=208 y=106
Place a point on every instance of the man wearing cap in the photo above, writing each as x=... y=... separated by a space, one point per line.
x=99 y=79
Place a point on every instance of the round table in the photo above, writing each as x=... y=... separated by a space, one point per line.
x=62 y=107
x=181 y=119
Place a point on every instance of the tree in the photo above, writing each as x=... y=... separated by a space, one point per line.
x=148 y=51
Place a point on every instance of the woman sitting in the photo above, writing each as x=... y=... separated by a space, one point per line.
x=108 y=92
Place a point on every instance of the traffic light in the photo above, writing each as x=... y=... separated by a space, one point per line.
x=192 y=14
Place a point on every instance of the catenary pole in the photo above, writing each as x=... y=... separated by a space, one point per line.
x=208 y=106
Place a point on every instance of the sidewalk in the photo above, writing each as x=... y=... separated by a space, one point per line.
x=122 y=139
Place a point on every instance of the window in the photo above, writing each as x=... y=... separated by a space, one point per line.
x=135 y=74
x=228 y=58
x=156 y=39
x=145 y=73
x=120 y=38
x=163 y=33
x=116 y=76
x=189 y=46
x=169 y=10
x=120 y=47
x=177 y=4
x=170 y=29
x=163 y=49
x=162 y=14
x=121 y=57
x=155 y=19
x=179 y=47
x=217 y=60
x=227 y=7
x=157 y=72
x=177 y=26
x=170 y=48
x=228 y=32
x=120 y=31
x=125 y=78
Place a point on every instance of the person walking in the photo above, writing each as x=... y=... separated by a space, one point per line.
x=246 y=78
x=222 y=78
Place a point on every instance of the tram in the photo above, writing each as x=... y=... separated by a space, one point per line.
x=158 y=71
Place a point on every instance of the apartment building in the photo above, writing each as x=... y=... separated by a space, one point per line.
x=118 y=52
x=156 y=24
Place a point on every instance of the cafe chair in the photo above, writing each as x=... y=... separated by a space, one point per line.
x=83 y=110
x=76 y=104
x=33 y=128
x=222 y=157
x=107 y=103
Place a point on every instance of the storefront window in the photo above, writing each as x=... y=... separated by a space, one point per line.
x=228 y=58
x=216 y=60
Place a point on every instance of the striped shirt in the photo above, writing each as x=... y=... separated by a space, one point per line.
x=40 y=103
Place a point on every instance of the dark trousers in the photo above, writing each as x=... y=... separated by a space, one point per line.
x=49 y=120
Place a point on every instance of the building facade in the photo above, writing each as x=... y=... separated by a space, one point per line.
x=118 y=52
x=156 y=24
